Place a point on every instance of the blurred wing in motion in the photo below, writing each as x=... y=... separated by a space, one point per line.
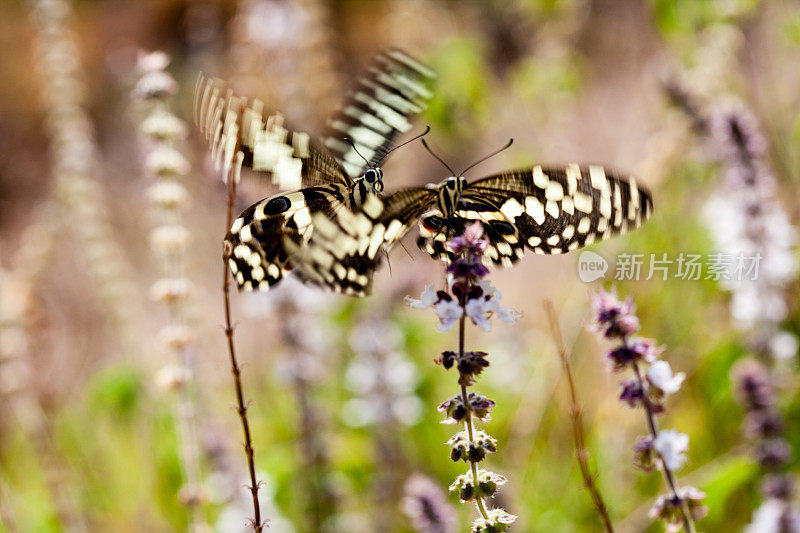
x=256 y=243
x=345 y=250
x=234 y=126
x=261 y=243
x=395 y=88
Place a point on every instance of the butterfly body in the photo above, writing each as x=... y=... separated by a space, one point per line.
x=547 y=210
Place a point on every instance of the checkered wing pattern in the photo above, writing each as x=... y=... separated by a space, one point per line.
x=558 y=209
x=395 y=87
x=346 y=249
x=550 y=210
x=261 y=240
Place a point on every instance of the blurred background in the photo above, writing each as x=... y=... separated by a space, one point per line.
x=116 y=411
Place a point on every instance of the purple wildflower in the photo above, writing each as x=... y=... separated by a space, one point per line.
x=652 y=381
x=471 y=243
x=426 y=506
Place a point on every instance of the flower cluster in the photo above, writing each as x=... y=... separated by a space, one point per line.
x=765 y=427
x=469 y=295
x=164 y=164
x=83 y=208
x=744 y=217
x=648 y=389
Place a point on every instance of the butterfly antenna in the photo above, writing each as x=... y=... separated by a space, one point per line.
x=385 y=252
x=423 y=134
x=403 y=246
x=349 y=141
x=439 y=159
x=481 y=160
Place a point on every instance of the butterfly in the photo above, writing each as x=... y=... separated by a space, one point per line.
x=342 y=172
x=543 y=209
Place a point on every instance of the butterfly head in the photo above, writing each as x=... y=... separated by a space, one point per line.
x=450 y=194
x=374 y=179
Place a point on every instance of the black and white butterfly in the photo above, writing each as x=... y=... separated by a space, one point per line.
x=545 y=209
x=343 y=173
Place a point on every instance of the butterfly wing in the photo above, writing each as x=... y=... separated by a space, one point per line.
x=395 y=87
x=237 y=127
x=557 y=209
x=345 y=250
x=256 y=243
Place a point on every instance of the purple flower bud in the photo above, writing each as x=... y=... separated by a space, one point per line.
x=645 y=456
x=753 y=385
x=607 y=307
x=623 y=327
x=668 y=507
x=480 y=405
x=447 y=359
x=764 y=424
x=471 y=242
x=426 y=506
x=632 y=393
x=774 y=454
x=464 y=269
x=736 y=132
x=778 y=486
x=636 y=349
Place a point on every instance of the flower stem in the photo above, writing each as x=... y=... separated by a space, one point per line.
x=468 y=418
x=237 y=380
x=652 y=425
x=581 y=453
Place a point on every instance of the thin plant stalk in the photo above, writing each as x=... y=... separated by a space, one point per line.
x=581 y=452
x=241 y=407
x=468 y=419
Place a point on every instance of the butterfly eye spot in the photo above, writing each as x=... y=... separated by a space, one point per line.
x=502 y=227
x=433 y=223
x=277 y=205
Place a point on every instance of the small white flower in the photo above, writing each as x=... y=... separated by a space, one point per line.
x=155 y=84
x=783 y=346
x=169 y=239
x=168 y=194
x=768 y=517
x=479 y=310
x=488 y=289
x=150 y=61
x=163 y=125
x=166 y=161
x=504 y=314
x=172 y=377
x=671 y=446
x=661 y=377
x=170 y=290
x=449 y=311
x=176 y=337
x=427 y=298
